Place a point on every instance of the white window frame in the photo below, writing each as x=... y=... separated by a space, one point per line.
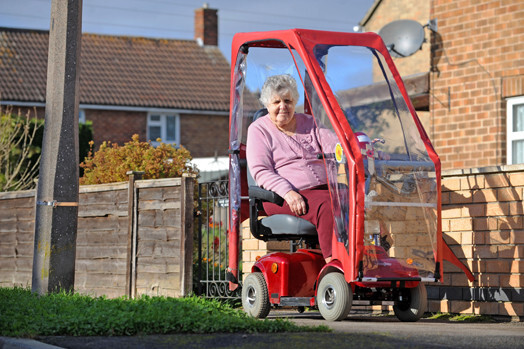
x=81 y=116
x=510 y=135
x=162 y=123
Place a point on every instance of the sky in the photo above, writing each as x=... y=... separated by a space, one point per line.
x=173 y=19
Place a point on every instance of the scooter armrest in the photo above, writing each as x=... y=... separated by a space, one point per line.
x=265 y=195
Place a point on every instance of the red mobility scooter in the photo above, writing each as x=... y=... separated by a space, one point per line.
x=387 y=239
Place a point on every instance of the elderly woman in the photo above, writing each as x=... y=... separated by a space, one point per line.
x=282 y=149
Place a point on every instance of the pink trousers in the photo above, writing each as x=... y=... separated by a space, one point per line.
x=318 y=213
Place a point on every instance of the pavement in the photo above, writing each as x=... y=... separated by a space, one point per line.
x=358 y=330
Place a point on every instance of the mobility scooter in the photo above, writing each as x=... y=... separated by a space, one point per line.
x=383 y=179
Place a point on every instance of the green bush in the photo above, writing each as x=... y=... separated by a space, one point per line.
x=21 y=138
x=111 y=162
x=19 y=150
x=85 y=137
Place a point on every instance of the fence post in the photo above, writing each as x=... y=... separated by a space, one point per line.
x=186 y=238
x=132 y=215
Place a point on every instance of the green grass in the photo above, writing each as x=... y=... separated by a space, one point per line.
x=461 y=317
x=24 y=314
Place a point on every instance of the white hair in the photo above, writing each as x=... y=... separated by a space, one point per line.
x=278 y=84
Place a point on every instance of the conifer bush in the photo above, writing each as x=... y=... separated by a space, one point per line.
x=111 y=162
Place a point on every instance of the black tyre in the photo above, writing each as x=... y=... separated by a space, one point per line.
x=334 y=297
x=413 y=304
x=255 y=298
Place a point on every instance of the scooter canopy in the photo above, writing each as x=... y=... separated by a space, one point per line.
x=383 y=173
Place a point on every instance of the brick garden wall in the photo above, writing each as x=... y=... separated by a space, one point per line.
x=104 y=262
x=483 y=223
x=253 y=248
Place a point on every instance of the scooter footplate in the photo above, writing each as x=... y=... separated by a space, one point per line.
x=295 y=301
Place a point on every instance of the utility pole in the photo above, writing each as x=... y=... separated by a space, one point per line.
x=56 y=214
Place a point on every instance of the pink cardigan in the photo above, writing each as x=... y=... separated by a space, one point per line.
x=282 y=163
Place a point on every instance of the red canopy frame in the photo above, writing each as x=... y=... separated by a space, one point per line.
x=303 y=41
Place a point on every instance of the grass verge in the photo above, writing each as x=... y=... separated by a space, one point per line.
x=24 y=314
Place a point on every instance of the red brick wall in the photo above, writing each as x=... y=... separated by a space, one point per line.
x=392 y=10
x=116 y=126
x=483 y=223
x=203 y=135
x=478 y=49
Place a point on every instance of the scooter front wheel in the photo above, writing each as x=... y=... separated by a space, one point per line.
x=255 y=299
x=413 y=304
x=334 y=297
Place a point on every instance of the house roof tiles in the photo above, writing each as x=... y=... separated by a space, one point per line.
x=120 y=71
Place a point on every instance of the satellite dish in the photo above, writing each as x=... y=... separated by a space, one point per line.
x=403 y=37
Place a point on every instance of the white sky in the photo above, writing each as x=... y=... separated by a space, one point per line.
x=174 y=18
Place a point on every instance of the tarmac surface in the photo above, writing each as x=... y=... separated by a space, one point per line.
x=359 y=330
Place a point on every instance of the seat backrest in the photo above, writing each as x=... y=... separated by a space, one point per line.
x=259 y=113
x=276 y=227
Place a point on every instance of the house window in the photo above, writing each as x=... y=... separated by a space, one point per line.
x=81 y=116
x=515 y=130
x=163 y=126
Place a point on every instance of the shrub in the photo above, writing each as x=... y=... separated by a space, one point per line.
x=19 y=150
x=85 y=137
x=21 y=138
x=111 y=162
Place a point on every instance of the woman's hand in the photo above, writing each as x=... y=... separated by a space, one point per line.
x=296 y=202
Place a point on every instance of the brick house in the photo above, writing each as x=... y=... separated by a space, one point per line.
x=176 y=90
x=476 y=74
x=475 y=119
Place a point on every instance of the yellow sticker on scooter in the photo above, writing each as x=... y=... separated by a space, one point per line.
x=339 y=152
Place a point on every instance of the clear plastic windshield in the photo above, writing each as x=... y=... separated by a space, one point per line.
x=401 y=188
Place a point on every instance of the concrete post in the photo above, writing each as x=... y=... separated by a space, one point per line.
x=56 y=217
x=132 y=214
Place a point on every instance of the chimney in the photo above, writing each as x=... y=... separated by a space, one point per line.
x=206 y=26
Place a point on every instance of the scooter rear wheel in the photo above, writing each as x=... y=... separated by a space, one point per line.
x=413 y=305
x=255 y=299
x=334 y=297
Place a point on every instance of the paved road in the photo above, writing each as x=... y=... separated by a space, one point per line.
x=357 y=331
x=424 y=332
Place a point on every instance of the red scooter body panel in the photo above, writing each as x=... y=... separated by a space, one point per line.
x=295 y=274
x=385 y=267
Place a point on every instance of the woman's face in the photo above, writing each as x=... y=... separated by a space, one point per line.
x=281 y=108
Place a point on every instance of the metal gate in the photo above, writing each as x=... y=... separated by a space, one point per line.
x=213 y=244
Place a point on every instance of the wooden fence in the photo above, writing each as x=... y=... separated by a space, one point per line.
x=133 y=238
